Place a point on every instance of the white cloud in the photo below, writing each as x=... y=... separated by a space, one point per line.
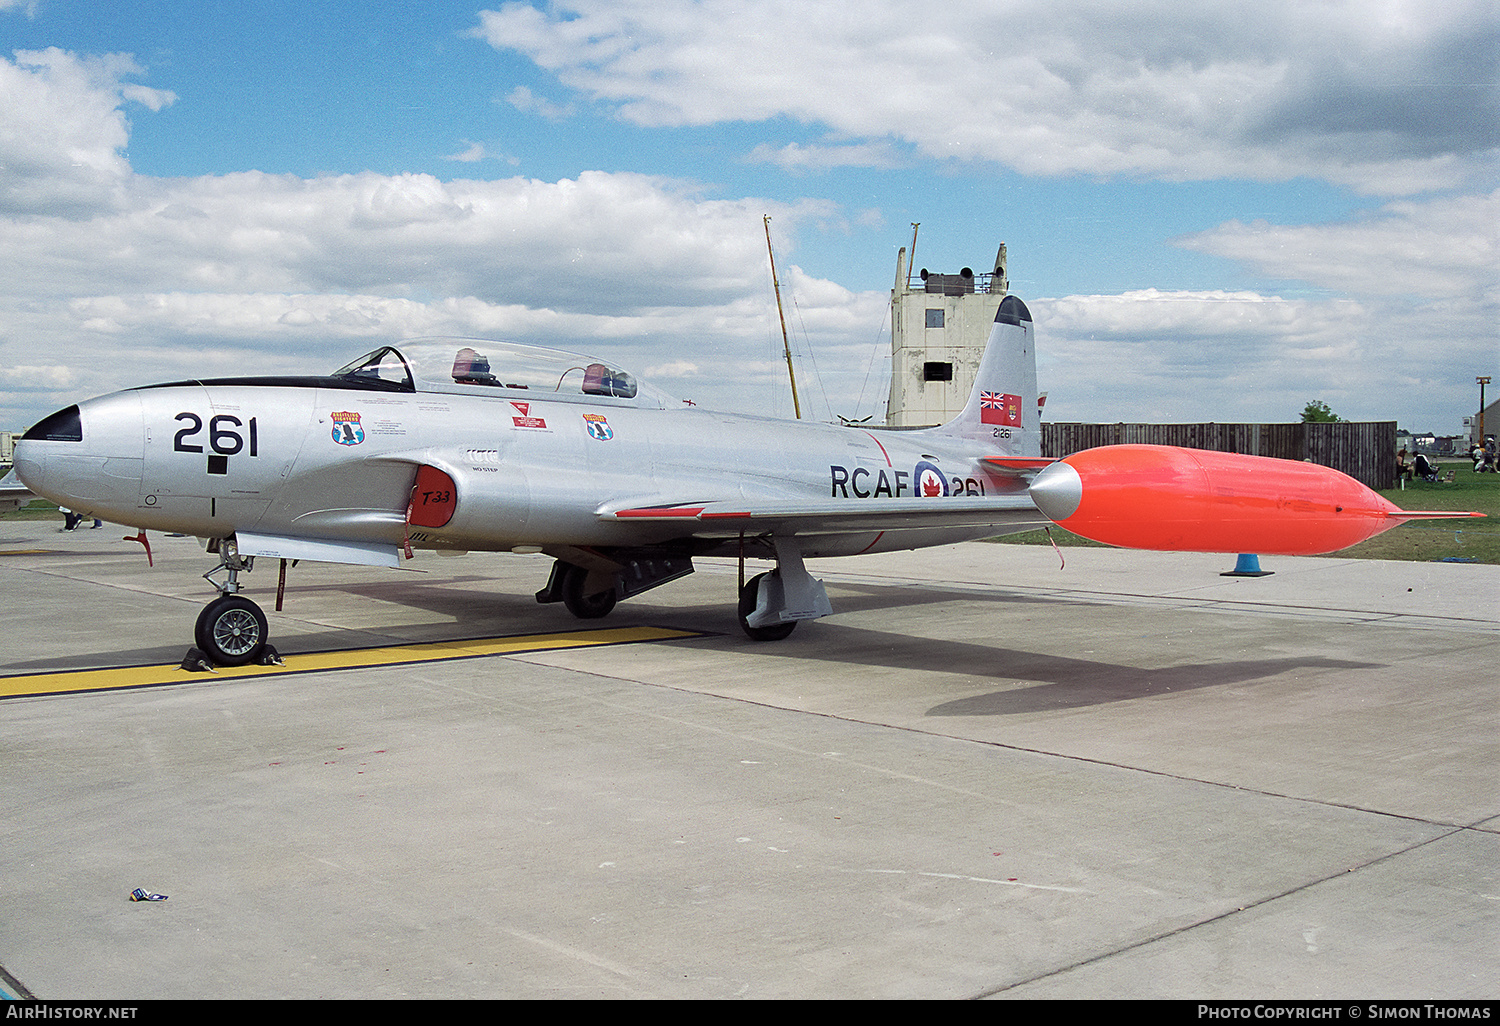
x=621 y=241
x=249 y=271
x=1231 y=357
x=63 y=130
x=524 y=100
x=1426 y=320
x=1137 y=317
x=1448 y=248
x=675 y=369
x=44 y=376
x=472 y=155
x=1397 y=99
x=797 y=158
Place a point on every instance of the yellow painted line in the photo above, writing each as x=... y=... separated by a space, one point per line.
x=69 y=681
x=27 y=552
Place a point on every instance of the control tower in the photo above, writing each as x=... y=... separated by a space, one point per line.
x=939 y=326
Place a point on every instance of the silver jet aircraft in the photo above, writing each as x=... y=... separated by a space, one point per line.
x=465 y=445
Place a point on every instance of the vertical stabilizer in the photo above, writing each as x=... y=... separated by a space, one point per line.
x=1002 y=409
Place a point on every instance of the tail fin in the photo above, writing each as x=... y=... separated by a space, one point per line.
x=1002 y=412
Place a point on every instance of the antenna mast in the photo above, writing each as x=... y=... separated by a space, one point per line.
x=786 y=345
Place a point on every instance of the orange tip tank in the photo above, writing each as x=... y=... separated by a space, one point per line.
x=1193 y=500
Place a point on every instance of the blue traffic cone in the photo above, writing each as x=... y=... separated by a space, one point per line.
x=1248 y=565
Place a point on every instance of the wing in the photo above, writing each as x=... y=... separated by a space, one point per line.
x=13 y=494
x=725 y=519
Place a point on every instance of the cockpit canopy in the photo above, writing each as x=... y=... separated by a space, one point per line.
x=476 y=365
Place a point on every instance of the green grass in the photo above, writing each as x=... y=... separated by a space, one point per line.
x=1424 y=540
x=1416 y=540
x=40 y=509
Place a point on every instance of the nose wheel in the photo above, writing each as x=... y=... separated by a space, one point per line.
x=231 y=631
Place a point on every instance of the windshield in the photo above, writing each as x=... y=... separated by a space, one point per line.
x=471 y=365
x=384 y=365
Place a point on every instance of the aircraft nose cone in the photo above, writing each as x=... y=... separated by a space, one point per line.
x=98 y=469
x=31 y=449
x=1057 y=491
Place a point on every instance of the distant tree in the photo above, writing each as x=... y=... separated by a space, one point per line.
x=1317 y=412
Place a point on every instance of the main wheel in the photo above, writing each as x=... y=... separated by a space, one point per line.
x=748 y=596
x=231 y=631
x=585 y=607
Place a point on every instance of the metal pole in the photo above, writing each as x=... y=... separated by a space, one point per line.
x=912 y=267
x=785 y=343
x=1483 y=380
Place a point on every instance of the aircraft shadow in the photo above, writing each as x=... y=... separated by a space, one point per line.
x=1127 y=683
x=864 y=598
x=158 y=655
x=1054 y=681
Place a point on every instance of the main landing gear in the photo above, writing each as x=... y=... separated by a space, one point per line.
x=590 y=581
x=590 y=587
x=231 y=630
x=772 y=604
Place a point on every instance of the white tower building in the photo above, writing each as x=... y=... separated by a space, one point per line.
x=939 y=326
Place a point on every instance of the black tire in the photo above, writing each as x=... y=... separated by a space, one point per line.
x=231 y=631
x=775 y=632
x=585 y=607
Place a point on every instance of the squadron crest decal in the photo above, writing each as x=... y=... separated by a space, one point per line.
x=598 y=426
x=347 y=429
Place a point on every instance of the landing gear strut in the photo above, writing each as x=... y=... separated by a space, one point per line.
x=231 y=630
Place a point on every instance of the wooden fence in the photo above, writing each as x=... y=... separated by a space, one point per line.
x=1365 y=451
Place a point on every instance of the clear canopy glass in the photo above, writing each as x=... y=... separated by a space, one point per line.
x=471 y=365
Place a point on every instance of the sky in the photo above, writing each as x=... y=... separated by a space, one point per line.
x=1214 y=212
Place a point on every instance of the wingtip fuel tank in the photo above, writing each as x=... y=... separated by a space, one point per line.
x=1192 y=500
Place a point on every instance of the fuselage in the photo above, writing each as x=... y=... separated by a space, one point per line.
x=336 y=458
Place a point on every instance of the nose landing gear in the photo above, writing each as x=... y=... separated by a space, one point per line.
x=231 y=630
